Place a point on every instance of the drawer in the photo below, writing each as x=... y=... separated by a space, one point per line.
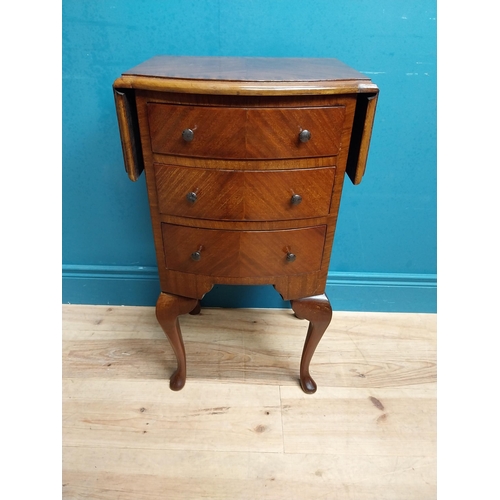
x=244 y=194
x=276 y=132
x=243 y=254
x=217 y=132
x=241 y=133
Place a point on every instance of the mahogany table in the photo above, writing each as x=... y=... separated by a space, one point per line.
x=244 y=161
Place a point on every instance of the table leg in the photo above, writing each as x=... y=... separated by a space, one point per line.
x=168 y=308
x=197 y=309
x=318 y=311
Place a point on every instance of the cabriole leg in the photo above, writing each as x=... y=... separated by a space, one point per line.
x=168 y=309
x=318 y=311
x=197 y=309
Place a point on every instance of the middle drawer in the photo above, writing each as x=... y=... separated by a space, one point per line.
x=250 y=195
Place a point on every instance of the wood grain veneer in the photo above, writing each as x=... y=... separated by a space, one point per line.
x=244 y=194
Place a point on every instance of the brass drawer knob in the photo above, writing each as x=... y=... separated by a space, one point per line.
x=188 y=134
x=296 y=199
x=196 y=255
x=290 y=257
x=191 y=197
x=304 y=135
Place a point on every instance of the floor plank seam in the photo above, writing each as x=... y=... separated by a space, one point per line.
x=190 y=450
x=282 y=424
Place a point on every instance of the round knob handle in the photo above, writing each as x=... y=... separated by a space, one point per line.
x=296 y=199
x=304 y=135
x=191 y=197
x=188 y=135
x=196 y=255
x=290 y=257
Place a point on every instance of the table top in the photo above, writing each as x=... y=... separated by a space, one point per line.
x=245 y=75
x=247 y=69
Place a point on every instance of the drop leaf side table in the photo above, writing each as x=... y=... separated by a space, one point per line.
x=244 y=161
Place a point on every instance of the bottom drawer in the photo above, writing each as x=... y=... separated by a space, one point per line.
x=243 y=254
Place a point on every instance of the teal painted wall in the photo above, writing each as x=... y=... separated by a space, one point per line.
x=384 y=256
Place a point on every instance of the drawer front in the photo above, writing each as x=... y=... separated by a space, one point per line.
x=244 y=195
x=217 y=132
x=276 y=132
x=243 y=254
x=240 y=133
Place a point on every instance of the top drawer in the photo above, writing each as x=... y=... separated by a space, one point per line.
x=245 y=133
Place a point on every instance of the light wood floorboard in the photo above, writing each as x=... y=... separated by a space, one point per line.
x=242 y=428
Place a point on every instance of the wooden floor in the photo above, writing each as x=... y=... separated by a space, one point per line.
x=242 y=428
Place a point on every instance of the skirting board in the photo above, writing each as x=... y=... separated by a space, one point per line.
x=139 y=286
